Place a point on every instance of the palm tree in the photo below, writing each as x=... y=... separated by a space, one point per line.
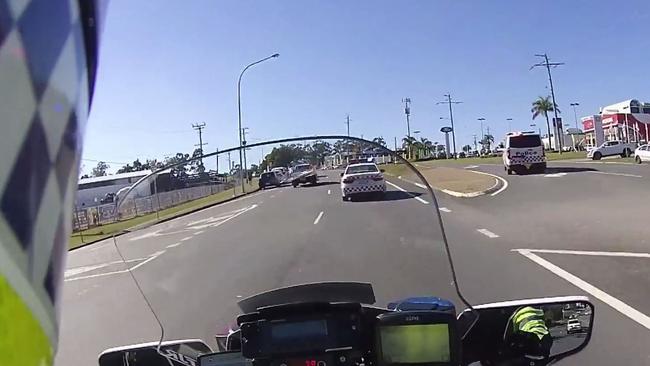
x=426 y=145
x=407 y=143
x=542 y=106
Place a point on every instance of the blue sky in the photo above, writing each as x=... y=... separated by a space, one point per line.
x=167 y=64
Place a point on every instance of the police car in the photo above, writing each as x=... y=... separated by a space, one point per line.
x=361 y=179
x=524 y=152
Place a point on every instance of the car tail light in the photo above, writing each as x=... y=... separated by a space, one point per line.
x=378 y=178
x=348 y=180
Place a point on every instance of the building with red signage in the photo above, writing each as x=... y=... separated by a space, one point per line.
x=624 y=121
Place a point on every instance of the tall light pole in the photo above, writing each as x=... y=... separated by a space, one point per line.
x=482 y=140
x=575 y=114
x=509 y=120
x=451 y=119
x=241 y=158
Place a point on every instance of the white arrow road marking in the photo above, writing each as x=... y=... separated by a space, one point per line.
x=610 y=300
x=487 y=233
x=145 y=235
x=223 y=220
x=146 y=260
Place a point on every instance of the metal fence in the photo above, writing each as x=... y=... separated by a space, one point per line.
x=88 y=217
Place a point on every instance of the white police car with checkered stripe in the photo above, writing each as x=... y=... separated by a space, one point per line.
x=524 y=152
x=362 y=179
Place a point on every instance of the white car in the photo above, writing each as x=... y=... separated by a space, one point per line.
x=523 y=152
x=573 y=326
x=364 y=178
x=642 y=153
x=610 y=148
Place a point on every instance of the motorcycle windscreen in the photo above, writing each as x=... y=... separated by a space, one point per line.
x=207 y=230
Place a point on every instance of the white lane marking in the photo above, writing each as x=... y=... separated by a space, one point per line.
x=186 y=238
x=555 y=175
x=619 y=174
x=487 y=233
x=318 y=218
x=505 y=182
x=404 y=190
x=173 y=245
x=589 y=252
x=610 y=300
x=421 y=185
x=444 y=209
x=225 y=220
x=329 y=191
x=199 y=232
x=471 y=167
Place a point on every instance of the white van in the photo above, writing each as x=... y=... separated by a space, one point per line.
x=524 y=152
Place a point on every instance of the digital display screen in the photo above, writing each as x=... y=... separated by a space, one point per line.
x=299 y=330
x=417 y=343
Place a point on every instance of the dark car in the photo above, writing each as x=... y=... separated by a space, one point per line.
x=268 y=179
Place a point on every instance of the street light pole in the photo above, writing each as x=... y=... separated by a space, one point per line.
x=509 y=124
x=241 y=158
x=575 y=114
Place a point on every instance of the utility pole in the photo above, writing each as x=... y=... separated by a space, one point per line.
x=199 y=127
x=451 y=118
x=556 y=128
x=509 y=120
x=347 y=122
x=407 y=111
x=217 y=160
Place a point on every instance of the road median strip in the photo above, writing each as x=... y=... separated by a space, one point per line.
x=452 y=181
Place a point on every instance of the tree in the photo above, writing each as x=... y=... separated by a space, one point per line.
x=542 y=106
x=467 y=148
x=197 y=162
x=318 y=151
x=379 y=140
x=427 y=145
x=407 y=144
x=180 y=170
x=487 y=141
x=100 y=169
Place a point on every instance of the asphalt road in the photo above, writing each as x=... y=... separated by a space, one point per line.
x=195 y=268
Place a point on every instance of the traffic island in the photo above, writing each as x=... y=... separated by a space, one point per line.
x=453 y=181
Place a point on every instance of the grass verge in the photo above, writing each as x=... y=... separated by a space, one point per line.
x=104 y=231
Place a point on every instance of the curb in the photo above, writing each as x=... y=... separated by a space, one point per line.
x=152 y=223
x=499 y=186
